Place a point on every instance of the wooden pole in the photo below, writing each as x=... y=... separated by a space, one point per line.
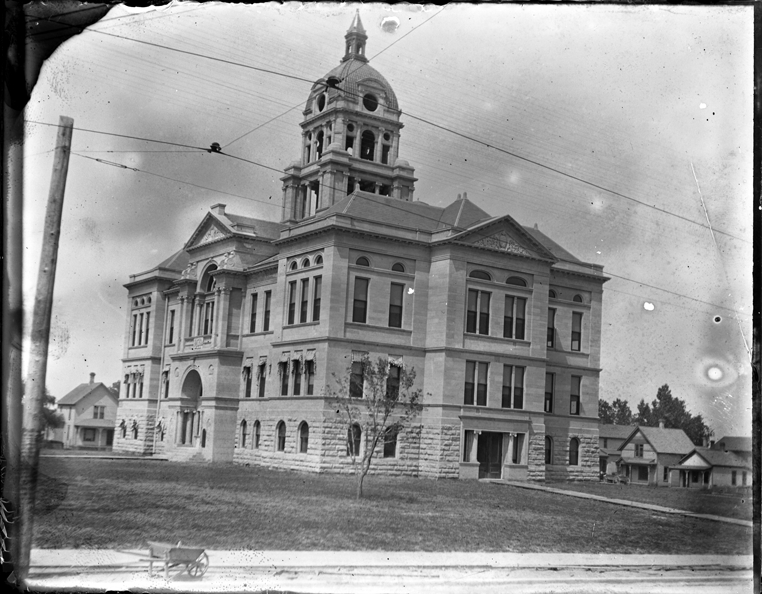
x=31 y=432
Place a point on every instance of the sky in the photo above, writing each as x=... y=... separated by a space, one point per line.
x=623 y=132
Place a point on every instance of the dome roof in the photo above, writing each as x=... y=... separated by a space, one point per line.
x=351 y=73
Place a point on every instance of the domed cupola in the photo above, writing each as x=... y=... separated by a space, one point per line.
x=350 y=137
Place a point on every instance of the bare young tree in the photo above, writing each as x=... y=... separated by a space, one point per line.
x=375 y=401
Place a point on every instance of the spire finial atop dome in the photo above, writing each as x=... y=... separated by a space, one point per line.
x=355 y=40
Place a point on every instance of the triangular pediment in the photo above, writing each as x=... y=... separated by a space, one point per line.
x=506 y=236
x=209 y=231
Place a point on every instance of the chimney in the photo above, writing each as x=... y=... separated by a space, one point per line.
x=661 y=423
x=218 y=209
x=705 y=441
x=465 y=196
x=92 y=379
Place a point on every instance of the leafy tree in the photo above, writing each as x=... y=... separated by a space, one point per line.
x=666 y=407
x=605 y=412
x=50 y=418
x=375 y=402
x=616 y=413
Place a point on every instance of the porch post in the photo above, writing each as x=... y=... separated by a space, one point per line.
x=474 y=447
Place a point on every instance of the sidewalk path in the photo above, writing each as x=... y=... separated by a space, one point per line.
x=625 y=502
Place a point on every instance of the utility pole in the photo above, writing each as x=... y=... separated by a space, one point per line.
x=31 y=433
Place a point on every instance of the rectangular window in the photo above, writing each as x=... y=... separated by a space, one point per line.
x=247 y=376
x=476 y=381
x=477 y=312
x=550 y=383
x=166 y=384
x=253 y=314
x=473 y=298
x=98 y=412
x=171 y=337
x=317 y=286
x=291 y=302
x=208 y=318
x=638 y=450
x=360 y=304
x=390 y=442
x=303 y=309
x=576 y=335
x=468 y=445
x=514 y=322
x=140 y=387
x=513 y=387
x=262 y=377
x=266 y=319
x=88 y=435
x=733 y=477
x=134 y=328
x=484 y=312
x=743 y=478
x=283 y=370
x=576 y=382
x=665 y=477
x=309 y=368
x=605 y=442
x=393 y=382
x=395 y=305
x=297 y=371
x=551 y=328
x=356 y=380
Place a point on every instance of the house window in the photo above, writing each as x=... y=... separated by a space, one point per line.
x=354 y=435
x=296 y=369
x=514 y=317
x=356 y=380
x=395 y=305
x=576 y=335
x=576 y=382
x=304 y=301
x=477 y=313
x=643 y=473
x=574 y=452
x=262 y=377
x=360 y=304
x=605 y=442
x=318 y=260
x=283 y=371
x=548 y=450
x=309 y=368
x=638 y=450
x=99 y=412
x=243 y=434
x=88 y=435
x=304 y=438
x=390 y=442
x=665 y=476
x=513 y=387
x=208 y=317
x=291 y=302
x=253 y=316
x=476 y=381
x=257 y=428
x=317 y=286
x=171 y=332
x=550 y=382
x=518 y=444
x=551 y=328
x=393 y=382
x=733 y=477
x=266 y=319
x=280 y=437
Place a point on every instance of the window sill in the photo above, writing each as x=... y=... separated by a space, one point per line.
x=376 y=327
x=516 y=341
x=302 y=324
x=260 y=333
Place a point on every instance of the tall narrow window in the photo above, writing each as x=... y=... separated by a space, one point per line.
x=518 y=443
x=262 y=377
x=134 y=328
x=576 y=382
x=317 y=287
x=390 y=442
x=576 y=335
x=166 y=385
x=247 y=378
x=395 y=305
x=309 y=368
x=476 y=383
x=281 y=437
x=140 y=331
x=148 y=325
x=208 y=317
x=257 y=431
x=550 y=380
x=291 y=302
x=393 y=382
x=360 y=303
x=253 y=314
x=356 y=380
x=140 y=387
x=283 y=370
x=171 y=333
x=304 y=438
x=243 y=434
x=305 y=297
x=266 y=320
x=551 y=328
x=354 y=440
x=548 y=450
x=513 y=387
x=574 y=452
x=477 y=312
x=513 y=318
x=296 y=369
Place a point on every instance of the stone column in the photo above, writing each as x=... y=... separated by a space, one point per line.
x=474 y=448
x=221 y=301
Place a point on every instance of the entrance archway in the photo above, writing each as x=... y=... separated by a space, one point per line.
x=189 y=417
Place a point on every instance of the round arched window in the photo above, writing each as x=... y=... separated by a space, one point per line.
x=481 y=274
x=515 y=280
x=552 y=294
x=577 y=299
x=387 y=136
x=318 y=260
x=350 y=127
x=148 y=300
x=398 y=267
x=362 y=261
x=306 y=263
x=370 y=102
x=136 y=303
x=293 y=266
x=321 y=102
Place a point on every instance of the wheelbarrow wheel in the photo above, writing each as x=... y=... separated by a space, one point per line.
x=199 y=566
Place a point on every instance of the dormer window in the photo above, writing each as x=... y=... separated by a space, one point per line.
x=321 y=102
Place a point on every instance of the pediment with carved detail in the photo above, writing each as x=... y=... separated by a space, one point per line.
x=504 y=242
x=208 y=234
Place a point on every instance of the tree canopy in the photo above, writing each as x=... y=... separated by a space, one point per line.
x=673 y=411
x=616 y=413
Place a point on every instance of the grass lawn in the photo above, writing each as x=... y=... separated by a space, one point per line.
x=122 y=503
x=731 y=504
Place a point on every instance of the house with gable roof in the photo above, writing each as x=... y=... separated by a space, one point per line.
x=232 y=342
x=649 y=452
x=89 y=413
x=709 y=467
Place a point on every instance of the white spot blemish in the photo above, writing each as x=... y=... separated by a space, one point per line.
x=702 y=106
x=410 y=291
x=714 y=373
x=648 y=306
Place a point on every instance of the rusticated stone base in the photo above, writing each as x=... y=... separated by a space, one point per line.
x=124 y=442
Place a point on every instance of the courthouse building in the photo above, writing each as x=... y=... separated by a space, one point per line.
x=232 y=341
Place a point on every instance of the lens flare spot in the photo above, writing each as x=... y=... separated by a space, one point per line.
x=648 y=306
x=714 y=373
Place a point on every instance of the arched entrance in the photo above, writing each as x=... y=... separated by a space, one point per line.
x=189 y=417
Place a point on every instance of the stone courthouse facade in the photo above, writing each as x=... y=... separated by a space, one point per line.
x=232 y=341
